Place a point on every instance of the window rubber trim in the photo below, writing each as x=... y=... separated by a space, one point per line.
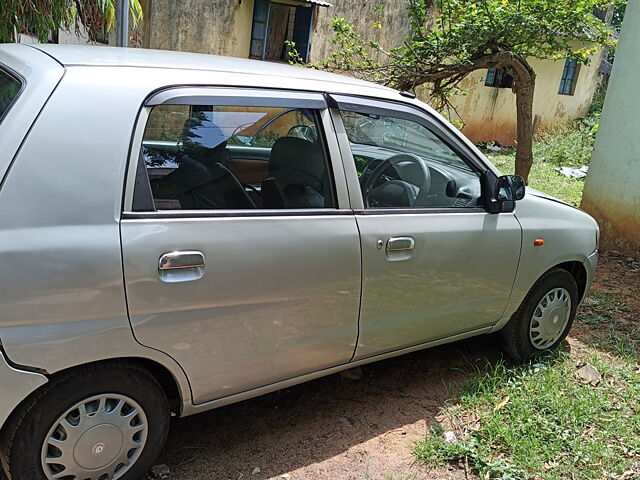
x=143 y=201
x=195 y=214
x=23 y=85
x=373 y=106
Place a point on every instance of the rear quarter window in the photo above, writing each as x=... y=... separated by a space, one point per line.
x=10 y=88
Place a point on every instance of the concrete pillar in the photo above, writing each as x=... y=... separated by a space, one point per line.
x=612 y=189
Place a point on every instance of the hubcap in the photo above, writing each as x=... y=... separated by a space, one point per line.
x=99 y=438
x=550 y=318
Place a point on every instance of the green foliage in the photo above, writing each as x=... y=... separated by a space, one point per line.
x=457 y=37
x=542 y=422
x=41 y=17
x=529 y=28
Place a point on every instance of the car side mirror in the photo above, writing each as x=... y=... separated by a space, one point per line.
x=509 y=188
x=502 y=193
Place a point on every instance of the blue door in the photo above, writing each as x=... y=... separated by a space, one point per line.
x=260 y=29
x=302 y=31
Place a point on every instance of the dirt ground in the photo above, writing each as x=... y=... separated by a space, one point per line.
x=331 y=428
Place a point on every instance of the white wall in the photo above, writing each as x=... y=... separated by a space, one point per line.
x=612 y=190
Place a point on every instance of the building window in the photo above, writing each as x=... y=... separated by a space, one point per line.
x=569 y=77
x=498 y=78
x=274 y=24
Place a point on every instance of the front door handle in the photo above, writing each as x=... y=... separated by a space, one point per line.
x=400 y=248
x=181 y=266
x=400 y=244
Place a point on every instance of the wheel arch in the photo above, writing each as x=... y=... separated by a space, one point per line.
x=575 y=267
x=579 y=273
x=165 y=378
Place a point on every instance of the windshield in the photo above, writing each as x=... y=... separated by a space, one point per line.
x=9 y=90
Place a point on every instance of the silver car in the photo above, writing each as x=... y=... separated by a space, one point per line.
x=179 y=232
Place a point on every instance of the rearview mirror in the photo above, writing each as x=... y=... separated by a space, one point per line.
x=509 y=188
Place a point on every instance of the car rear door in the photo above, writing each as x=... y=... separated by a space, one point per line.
x=435 y=264
x=242 y=291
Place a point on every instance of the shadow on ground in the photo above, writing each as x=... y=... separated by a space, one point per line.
x=331 y=428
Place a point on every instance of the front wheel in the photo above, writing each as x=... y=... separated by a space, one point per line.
x=102 y=422
x=544 y=317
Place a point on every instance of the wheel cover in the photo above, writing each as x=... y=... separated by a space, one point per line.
x=550 y=318
x=99 y=438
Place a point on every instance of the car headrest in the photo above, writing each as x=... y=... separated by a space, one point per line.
x=201 y=138
x=295 y=161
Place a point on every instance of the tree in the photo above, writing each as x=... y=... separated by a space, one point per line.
x=449 y=39
x=41 y=17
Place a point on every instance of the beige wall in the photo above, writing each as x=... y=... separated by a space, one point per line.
x=220 y=27
x=362 y=14
x=489 y=113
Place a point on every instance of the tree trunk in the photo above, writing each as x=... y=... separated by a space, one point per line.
x=524 y=90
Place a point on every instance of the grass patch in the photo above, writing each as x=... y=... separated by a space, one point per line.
x=602 y=311
x=543 y=177
x=569 y=145
x=542 y=422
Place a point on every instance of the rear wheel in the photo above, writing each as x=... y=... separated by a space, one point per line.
x=102 y=422
x=544 y=317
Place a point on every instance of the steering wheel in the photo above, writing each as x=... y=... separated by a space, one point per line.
x=305 y=132
x=391 y=188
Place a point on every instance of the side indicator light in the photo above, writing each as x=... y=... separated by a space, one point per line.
x=538 y=242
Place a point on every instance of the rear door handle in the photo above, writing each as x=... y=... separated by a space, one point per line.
x=400 y=244
x=181 y=266
x=178 y=260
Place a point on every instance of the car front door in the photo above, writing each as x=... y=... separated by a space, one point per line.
x=244 y=268
x=435 y=264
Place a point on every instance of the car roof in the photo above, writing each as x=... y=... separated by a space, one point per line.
x=87 y=55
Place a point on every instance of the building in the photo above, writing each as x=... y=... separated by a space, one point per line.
x=564 y=91
x=256 y=29
x=260 y=29
x=612 y=189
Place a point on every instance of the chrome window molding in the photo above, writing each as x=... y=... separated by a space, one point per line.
x=418 y=211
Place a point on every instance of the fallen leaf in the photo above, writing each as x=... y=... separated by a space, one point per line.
x=501 y=404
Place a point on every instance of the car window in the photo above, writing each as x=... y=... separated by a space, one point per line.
x=9 y=90
x=402 y=164
x=236 y=157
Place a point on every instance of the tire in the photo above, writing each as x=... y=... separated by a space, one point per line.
x=40 y=418
x=524 y=337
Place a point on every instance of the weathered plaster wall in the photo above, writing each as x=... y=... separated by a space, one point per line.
x=489 y=113
x=362 y=14
x=612 y=190
x=221 y=27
